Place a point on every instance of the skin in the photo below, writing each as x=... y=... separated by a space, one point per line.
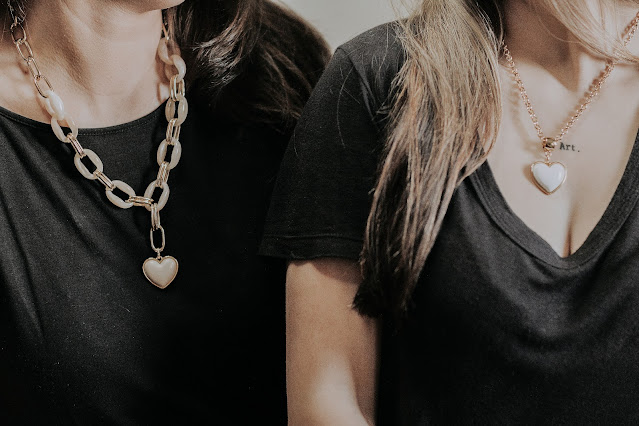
x=332 y=351
x=556 y=74
x=99 y=56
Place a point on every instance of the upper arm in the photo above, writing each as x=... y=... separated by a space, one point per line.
x=318 y=215
x=331 y=349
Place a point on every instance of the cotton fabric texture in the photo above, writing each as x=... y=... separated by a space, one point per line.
x=501 y=330
x=84 y=337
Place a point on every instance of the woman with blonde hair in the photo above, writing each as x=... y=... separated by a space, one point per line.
x=459 y=208
x=140 y=141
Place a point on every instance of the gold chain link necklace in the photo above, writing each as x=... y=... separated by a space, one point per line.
x=159 y=270
x=549 y=175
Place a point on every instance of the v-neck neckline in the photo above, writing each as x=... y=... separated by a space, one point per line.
x=622 y=203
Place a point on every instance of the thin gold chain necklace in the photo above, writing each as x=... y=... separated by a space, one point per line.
x=549 y=175
x=159 y=270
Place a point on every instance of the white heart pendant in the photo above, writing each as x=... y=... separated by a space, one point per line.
x=548 y=176
x=160 y=272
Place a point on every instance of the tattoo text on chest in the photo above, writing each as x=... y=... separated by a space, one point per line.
x=568 y=147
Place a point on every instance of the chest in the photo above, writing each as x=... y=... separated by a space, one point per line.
x=488 y=270
x=595 y=153
x=77 y=305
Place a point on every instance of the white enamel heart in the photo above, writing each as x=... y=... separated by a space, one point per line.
x=160 y=272
x=548 y=176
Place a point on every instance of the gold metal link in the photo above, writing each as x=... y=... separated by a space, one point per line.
x=140 y=201
x=75 y=143
x=173 y=131
x=42 y=91
x=104 y=180
x=155 y=217
x=163 y=174
x=24 y=44
x=32 y=66
x=23 y=33
x=156 y=249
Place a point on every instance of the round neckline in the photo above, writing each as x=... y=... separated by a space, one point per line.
x=117 y=128
x=615 y=215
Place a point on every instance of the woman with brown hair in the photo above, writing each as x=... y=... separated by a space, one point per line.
x=140 y=142
x=459 y=205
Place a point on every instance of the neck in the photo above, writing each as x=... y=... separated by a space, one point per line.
x=100 y=57
x=538 y=39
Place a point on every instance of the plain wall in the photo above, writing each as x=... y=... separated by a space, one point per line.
x=341 y=20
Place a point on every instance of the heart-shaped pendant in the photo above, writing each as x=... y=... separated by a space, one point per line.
x=160 y=272
x=548 y=176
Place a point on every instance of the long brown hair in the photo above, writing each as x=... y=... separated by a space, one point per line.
x=253 y=60
x=445 y=118
x=256 y=59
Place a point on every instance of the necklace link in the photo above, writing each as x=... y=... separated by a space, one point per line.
x=42 y=90
x=104 y=180
x=75 y=143
x=23 y=33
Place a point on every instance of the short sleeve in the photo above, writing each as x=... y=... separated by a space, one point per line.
x=323 y=194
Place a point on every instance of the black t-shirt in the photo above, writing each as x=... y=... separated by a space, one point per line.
x=503 y=330
x=84 y=337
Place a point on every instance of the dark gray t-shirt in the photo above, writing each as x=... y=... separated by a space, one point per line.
x=502 y=330
x=84 y=337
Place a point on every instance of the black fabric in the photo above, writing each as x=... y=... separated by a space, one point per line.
x=322 y=199
x=84 y=337
x=503 y=330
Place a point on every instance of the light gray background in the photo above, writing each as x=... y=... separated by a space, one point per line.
x=341 y=20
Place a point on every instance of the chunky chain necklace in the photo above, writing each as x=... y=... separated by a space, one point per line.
x=159 y=270
x=549 y=175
